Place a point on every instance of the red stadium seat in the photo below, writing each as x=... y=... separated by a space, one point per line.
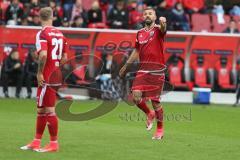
x=176 y=76
x=200 y=74
x=80 y=73
x=237 y=19
x=224 y=76
x=201 y=22
x=97 y=25
x=104 y=17
x=217 y=27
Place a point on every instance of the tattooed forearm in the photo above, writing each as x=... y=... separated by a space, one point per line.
x=41 y=61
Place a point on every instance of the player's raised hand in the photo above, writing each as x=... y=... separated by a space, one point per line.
x=40 y=79
x=163 y=24
x=122 y=71
x=162 y=20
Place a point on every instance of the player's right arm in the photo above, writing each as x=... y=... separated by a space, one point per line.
x=134 y=56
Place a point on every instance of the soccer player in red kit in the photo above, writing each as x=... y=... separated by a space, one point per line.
x=51 y=47
x=149 y=81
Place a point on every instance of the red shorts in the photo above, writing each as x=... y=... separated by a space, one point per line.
x=151 y=85
x=46 y=96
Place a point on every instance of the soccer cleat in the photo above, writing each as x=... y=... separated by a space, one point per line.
x=158 y=134
x=51 y=147
x=34 y=145
x=150 y=118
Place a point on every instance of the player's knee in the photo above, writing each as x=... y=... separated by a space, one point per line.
x=156 y=105
x=137 y=95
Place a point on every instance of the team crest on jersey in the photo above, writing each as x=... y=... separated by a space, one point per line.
x=151 y=33
x=144 y=39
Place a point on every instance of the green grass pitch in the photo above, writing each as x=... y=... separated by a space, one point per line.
x=192 y=132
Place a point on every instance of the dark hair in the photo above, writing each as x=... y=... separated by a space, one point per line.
x=76 y=17
x=149 y=8
x=232 y=20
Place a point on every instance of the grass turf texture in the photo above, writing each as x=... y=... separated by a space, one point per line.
x=212 y=133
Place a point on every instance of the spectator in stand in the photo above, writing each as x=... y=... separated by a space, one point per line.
x=43 y=3
x=218 y=9
x=179 y=18
x=95 y=13
x=168 y=3
x=35 y=21
x=104 y=5
x=67 y=7
x=235 y=11
x=1 y=17
x=135 y=16
x=164 y=11
x=12 y=71
x=33 y=10
x=232 y=28
x=172 y=3
x=65 y=22
x=14 y=12
x=25 y=2
x=118 y=16
x=30 y=71
x=152 y=3
x=194 y=6
x=78 y=22
x=78 y=10
x=34 y=7
x=24 y=21
x=3 y=7
x=56 y=13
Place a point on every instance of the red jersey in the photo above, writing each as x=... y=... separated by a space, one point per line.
x=149 y=44
x=53 y=41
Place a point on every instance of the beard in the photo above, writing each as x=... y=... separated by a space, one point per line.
x=148 y=22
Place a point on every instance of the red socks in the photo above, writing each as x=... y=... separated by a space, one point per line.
x=40 y=125
x=143 y=106
x=42 y=119
x=159 y=117
x=52 y=126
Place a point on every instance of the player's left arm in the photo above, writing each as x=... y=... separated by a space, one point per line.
x=42 y=58
x=64 y=56
x=162 y=24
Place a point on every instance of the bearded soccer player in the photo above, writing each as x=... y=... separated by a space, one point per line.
x=149 y=80
x=51 y=47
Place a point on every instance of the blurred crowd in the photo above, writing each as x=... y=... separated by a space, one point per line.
x=14 y=72
x=118 y=14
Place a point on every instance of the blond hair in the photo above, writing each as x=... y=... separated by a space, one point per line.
x=46 y=13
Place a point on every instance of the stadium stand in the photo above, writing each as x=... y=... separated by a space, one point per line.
x=88 y=11
x=201 y=22
x=220 y=27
